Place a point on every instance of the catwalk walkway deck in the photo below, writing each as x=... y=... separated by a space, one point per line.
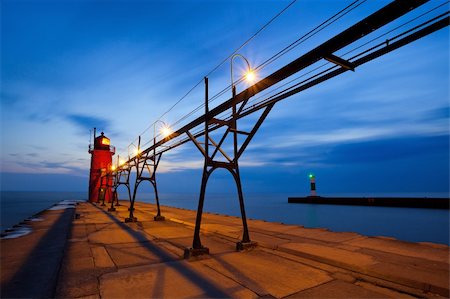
x=107 y=258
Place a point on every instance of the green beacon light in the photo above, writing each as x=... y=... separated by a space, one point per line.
x=312 y=181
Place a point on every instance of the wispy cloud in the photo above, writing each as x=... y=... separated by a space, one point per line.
x=87 y=122
x=32 y=163
x=340 y=127
x=177 y=166
x=382 y=150
x=39 y=117
x=438 y=113
x=36 y=167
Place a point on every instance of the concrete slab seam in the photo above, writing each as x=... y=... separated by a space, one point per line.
x=410 y=283
x=232 y=279
x=357 y=275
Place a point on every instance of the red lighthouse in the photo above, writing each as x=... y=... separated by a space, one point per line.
x=100 y=178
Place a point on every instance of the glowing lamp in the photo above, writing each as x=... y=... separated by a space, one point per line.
x=113 y=167
x=105 y=141
x=102 y=143
x=137 y=151
x=250 y=76
x=166 y=131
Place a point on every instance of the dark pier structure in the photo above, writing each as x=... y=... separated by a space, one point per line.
x=401 y=202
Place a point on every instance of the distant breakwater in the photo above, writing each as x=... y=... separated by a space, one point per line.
x=400 y=202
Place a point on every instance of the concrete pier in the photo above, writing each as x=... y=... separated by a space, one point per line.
x=106 y=258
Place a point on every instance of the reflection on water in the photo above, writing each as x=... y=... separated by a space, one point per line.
x=312 y=220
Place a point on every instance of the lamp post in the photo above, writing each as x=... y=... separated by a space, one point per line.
x=136 y=161
x=134 y=152
x=165 y=130
x=165 y=126
x=114 y=173
x=233 y=167
x=249 y=75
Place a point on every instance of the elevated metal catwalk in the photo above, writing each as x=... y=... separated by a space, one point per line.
x=239 y=106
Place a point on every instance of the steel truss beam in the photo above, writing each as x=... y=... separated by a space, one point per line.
x=145 y=161
x=231 y=164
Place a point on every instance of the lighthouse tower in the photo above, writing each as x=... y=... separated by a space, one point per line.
x=100 y=179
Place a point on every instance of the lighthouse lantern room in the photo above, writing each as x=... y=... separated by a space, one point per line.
x=100 y=178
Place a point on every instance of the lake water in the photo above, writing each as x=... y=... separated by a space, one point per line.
x=17 y=206
x=409 y=224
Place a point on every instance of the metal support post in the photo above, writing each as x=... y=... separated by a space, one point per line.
x=123 y=178
x=131 y=217
x=114 y=198
x=141 y=163
x=211 y=164
x=115 y=174
x=152 y=179
x=102 y=190
x=197 y=247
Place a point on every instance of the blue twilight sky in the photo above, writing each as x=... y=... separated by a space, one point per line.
x=68 y=66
